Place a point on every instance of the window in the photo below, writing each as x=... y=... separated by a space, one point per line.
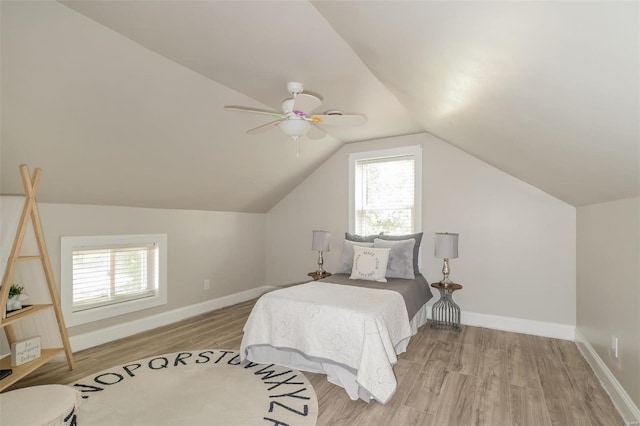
x=385 y=191
x=105 y=276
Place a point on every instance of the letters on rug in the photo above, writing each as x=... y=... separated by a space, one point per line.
x=197 y=387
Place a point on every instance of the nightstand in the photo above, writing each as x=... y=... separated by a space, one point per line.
x=316 y=276
x=445 y=314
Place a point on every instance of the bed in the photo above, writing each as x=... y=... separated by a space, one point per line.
x=350 y=330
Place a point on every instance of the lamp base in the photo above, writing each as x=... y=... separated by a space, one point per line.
x=320 y=270
x=445 y=281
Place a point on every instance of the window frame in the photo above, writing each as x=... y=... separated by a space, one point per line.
x=69 y=244
x=415 y=151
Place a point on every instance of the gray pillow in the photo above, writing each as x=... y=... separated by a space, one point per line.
x=346 y=264
x=361 y=238
x=416 y=247
x=400 y=263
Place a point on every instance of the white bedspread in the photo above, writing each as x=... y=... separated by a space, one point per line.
x=335 y=329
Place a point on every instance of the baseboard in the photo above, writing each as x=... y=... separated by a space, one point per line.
x=621 y=399
x=517 y=325
x=104 y=335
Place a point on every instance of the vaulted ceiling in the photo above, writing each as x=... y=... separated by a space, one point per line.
x=121 y=102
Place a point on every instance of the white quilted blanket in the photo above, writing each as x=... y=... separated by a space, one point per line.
x=353 y=327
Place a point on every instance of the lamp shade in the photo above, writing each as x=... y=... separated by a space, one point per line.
x=446 y=245
x=293 y=127
x=320 y=241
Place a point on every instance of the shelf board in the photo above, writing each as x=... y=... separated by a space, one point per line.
x=31 y=257
x=22 y=370
x=22 y=315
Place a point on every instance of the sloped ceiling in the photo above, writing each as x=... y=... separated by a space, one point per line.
x=120 y=102
x=548 y=92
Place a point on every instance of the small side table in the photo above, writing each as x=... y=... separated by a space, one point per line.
x=445 y=314
x=316 y=276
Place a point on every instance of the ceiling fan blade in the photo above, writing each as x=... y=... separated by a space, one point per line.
x=263 y=128
x=306 y=103
x=316 y=132
x=252 y=110
x=341 y=120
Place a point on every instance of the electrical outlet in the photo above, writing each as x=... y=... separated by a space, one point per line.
x=207 y=284
x=614 y=346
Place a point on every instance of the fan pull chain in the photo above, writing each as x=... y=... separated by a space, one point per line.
x=295 y=138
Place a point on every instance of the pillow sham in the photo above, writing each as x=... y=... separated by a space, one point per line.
x=361 y=238
x=416 y=248
x=400 y=263
x=370 y=263
x=346 y=264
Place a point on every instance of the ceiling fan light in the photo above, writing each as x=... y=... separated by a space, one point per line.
x=294 y=128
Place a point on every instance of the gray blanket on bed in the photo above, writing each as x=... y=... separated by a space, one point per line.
x=415 y=292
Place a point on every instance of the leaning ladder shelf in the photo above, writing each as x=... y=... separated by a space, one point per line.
x=30 y=214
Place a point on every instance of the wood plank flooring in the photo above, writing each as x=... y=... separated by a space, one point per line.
x=477 y=377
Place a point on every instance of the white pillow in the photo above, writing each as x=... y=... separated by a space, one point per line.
x=400 y=257
x=369 y=263
x=347 y=255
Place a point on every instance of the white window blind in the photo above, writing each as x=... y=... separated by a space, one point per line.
x=103 y=276
x=385 y=195
x=107 y=275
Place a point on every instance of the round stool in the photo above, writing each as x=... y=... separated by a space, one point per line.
x=39 y=405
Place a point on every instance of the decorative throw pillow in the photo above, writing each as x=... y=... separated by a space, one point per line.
x=416 y=247
x=400 y=257
x=361 y=238
x=347 y=256
x=369 y=263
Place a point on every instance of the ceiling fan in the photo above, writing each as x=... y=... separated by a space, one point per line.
x=296 y=118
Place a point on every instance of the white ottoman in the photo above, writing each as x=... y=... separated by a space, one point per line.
x=39 y=406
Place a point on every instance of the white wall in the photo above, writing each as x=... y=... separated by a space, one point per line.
x=226 y=248
x=517 y=243
x=608 y=286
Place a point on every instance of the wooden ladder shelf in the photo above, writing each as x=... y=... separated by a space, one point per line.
x=30 y=214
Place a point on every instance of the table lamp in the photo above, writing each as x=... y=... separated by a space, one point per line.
x=446 y=247
x=320 y=243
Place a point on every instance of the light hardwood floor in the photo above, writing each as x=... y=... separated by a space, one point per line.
x=477 y=377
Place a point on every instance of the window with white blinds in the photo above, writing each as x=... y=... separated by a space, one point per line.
x=106 y=276
x=103 y=276
x=385 y=191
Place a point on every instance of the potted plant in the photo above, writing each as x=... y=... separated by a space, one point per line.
x=16 y=297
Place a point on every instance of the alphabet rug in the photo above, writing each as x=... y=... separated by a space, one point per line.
x=203 y=387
